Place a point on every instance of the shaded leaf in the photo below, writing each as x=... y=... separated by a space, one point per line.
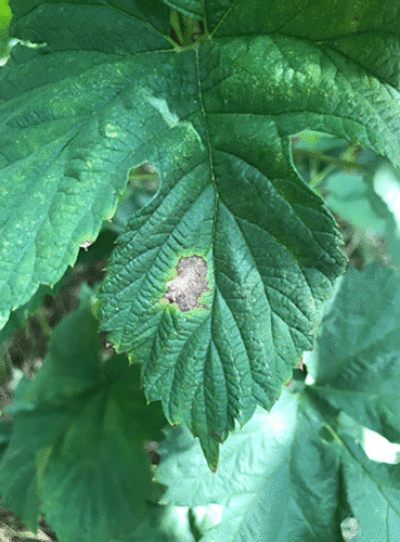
x=77 y=432
x=357 y=350
x=373 y=491
x=276 y=478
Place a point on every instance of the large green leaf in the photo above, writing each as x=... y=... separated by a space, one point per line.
x=76 y=447
x=245 y=216
x=292 y=474
x=66 y=148
x=373 y=491
x=277 y=478
x=356 y=359
x=107 y=91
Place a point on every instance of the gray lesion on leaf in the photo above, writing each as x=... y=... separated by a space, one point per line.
x=190 y=283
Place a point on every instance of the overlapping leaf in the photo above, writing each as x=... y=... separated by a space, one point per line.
x=276 y=478
x=295 y=473
x=357 y=365
x=65 y=146
x=248 y=459
x=76 y=447
x=227 y=216
x=321 y=475
x=366 y=32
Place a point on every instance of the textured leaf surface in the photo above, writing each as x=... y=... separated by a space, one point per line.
x=320 y=476
x=292 y=474
x=365 y=32
x=65 y=146
x=76 y=434
x=373 y=491
x=227 y=213
x=276 y=478
x=97 y=99
x=357 y=352
x=239 y=484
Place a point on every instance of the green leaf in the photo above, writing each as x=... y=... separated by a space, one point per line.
x=240 y=483
x=373 y=491
x=78 y=430
x=276 y=478
x=5 y=16
x=214 y=118
x=227 y=227
x=364 y=32
x=65 y=147
x=358 y=365
x=152 y=15
x=91 y=490
x=295 y=473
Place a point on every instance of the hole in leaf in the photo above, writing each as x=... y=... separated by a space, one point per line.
x=143 y=184
x=144 y=178
x=185 y=30
x=190 y=283
x=317 y=154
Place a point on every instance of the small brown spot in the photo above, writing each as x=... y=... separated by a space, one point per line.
x=190 y=283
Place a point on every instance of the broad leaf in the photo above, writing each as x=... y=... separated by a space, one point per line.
x=292 y=474
x=277 y=479
x=357 y=352
x=214 y=117
x=66 y=149
x=76 y=448
x=373 y=491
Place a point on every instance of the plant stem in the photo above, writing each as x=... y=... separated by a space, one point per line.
x=344 y=164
